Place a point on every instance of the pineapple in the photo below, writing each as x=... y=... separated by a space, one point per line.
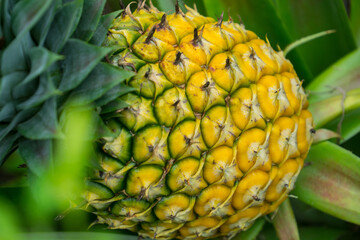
x=213 y=136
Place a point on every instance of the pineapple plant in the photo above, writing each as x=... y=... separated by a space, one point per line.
x=202 y=127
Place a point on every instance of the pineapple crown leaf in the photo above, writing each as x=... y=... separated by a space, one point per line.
x=51 y=55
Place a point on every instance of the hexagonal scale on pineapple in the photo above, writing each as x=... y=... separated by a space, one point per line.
x=305 y=135
x=233 y=33
x=180 y=138
x=201 y=227
x=242 y=220
x=202 y=92
x=248 y=146
x=176 y=208
x=245 y=58
x=240 y=107
x=172 y=107
x=250 y=189
x=96 y=191
x=215 y=201
x=186 y=176
x=141 y=178
x=159 y=229
x=138 y=114
x=220 y=166
x=133 y=209
x=197 y=146
x=177 y=68
x=267 y=89
x=292 y=88
x=267 y=62
x=120 y=146
x=221 y=72
x=180 y=25
x=279 y=139
x=218 y=128
x=284 y=180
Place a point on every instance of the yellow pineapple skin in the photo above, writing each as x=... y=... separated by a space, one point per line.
x=215 y=133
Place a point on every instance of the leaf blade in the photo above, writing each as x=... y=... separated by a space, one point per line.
x=319 y=184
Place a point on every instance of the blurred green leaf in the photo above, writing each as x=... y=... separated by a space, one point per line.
x=9 y=221
x=214 y=8
x=262 y=17
x=306 y=17
x=252 y=232
x=89 y=20
x=331 y=183
x=285 y=222
x=345 y=74
x=355 y=19
x=326 y=110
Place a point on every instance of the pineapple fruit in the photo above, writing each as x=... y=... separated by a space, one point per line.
x=213 y=136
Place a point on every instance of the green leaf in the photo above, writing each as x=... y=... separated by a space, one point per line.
x=5 y=14
x=324 y=134
x=344 y=74
x=7 y=112
x=306 y=17
x=26 y=13
x=350 y=125
x=5 y=129
x=252 y=232
x=102 y=28
x=355 y=19
x=64 y=25
x=331 y=182
x=14 y=57
x=285 y=222
x=103 y=78
x=326 y=110
x=214 y=8
x=37 y=155
x=321 y=233
x=78 y=64
x=112 y=106
x=7 y=83
x=6 y=145
x=44 y=91
x=41 y=59
x=89 y=20
x=42 y=125
x=42 y=27
x=113 y=93
x=261 y=17
x=76 y=235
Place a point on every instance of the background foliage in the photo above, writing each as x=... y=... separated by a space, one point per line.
x=326 y=200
